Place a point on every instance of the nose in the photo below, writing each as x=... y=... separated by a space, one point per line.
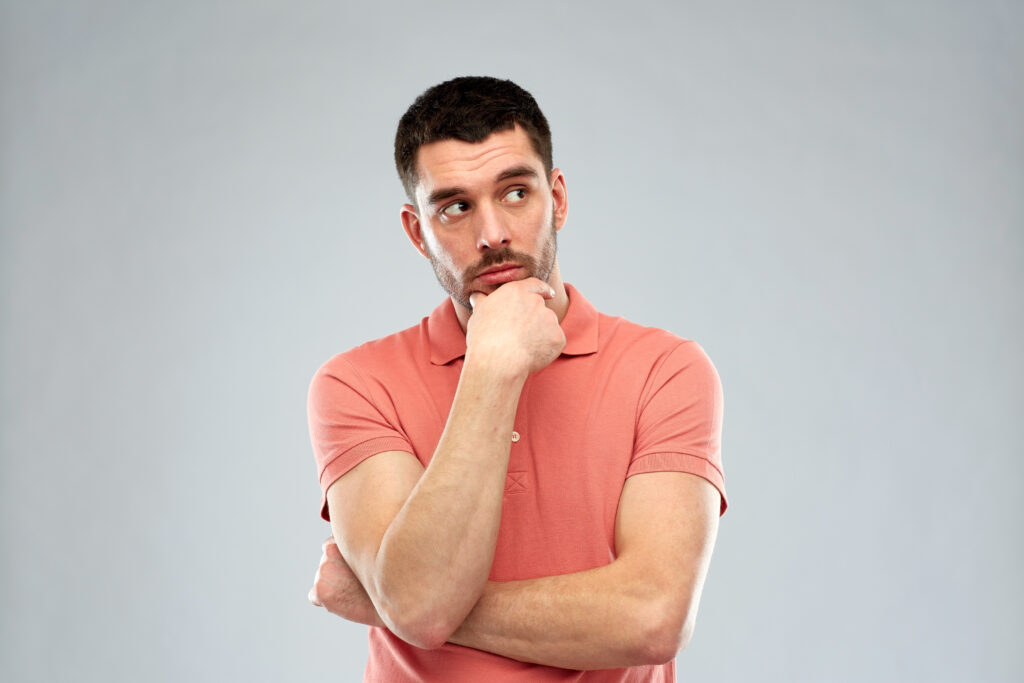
x=492 y=233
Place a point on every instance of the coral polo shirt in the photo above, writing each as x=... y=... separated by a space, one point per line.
x=621 y=399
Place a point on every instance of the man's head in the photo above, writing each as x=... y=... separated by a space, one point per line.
x=470 y=109
x=475 y=155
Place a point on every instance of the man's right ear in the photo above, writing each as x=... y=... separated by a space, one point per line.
x=413 y=228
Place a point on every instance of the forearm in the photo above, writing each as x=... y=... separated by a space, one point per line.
x=607 y=617
x=435 y=556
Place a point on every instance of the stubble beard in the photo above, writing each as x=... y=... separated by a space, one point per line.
x=539 y=267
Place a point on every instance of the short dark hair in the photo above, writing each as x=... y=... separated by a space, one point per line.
x=468 y=108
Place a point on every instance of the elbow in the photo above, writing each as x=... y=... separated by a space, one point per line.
x=425 y=627
x=426 y=636
x=422 y=614
x=665 y=634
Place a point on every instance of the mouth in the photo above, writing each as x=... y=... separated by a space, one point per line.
x=500 y=274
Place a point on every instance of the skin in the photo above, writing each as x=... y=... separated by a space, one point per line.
x=411 y=548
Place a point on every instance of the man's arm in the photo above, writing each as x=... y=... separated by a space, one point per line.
x=639 y=609
x=421 y=541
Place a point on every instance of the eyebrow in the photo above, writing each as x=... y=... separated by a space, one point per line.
x=516 y=172
x=443 y=193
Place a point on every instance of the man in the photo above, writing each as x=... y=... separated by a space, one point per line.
x=519 y=487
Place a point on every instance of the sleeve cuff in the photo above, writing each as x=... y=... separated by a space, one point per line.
x=344 y=462
x=681 y=462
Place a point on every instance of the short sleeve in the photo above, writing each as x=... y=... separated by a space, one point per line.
x=347 y=424
x=679 y=420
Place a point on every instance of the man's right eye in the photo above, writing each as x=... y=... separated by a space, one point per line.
x=455 y=209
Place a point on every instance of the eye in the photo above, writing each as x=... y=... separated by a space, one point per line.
x=516 y=195
x=455 y=209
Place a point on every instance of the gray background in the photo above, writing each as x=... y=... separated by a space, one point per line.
x=198 y=207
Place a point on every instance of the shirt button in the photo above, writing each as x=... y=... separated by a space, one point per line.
x=515 y=436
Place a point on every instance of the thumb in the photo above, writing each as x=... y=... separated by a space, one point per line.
x=476 y=297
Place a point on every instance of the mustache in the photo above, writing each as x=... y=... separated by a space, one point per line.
x=500 y=257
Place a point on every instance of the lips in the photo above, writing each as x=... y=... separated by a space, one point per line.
x=499 y=275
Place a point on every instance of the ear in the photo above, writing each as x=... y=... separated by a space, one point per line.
x=413 y=229
x=559 y=199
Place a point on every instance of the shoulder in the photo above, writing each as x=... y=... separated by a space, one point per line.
x=657 y=359
x=379 y=356
x=651 y=345
x=380 y=353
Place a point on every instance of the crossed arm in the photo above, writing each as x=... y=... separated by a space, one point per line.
x=421 y=542
x=414 y=545
x=639 y=609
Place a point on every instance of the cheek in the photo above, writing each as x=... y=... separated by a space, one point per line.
x=542 y=227
x=443 y=255
x=430 y=242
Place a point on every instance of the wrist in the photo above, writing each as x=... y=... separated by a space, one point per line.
x=496 y=371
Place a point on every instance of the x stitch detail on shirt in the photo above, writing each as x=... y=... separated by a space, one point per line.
x=515 y=482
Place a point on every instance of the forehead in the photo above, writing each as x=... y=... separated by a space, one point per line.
x=457 y=163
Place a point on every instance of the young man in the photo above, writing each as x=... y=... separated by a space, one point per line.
x=519 y=487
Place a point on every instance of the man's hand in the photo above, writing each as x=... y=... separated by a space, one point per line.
x=513 y=329
x=337 y=589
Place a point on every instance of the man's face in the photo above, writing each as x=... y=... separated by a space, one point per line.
x=487 y=213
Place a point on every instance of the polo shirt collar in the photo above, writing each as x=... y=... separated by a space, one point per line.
x=448 y=341
x=579 y=325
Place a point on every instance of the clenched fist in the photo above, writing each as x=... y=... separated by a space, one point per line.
x=338 y=590
x=513 y=329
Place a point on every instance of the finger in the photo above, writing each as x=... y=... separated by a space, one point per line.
x=314 y=599
x=328 y=541
x=538 y=286
x=474 y=297
x=332 y=553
